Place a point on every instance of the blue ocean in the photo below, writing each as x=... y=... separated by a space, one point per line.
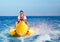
x=47 y=29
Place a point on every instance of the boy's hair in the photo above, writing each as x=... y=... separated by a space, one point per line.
x=21 y=11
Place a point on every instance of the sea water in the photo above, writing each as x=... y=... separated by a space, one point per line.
x=47 y=29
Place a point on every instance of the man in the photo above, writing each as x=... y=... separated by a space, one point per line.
x=22 y=17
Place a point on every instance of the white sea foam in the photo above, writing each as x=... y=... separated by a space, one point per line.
x=43 y=28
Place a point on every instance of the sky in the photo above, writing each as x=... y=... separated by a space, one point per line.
x=30 y=7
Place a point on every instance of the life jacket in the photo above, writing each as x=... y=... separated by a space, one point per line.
x=21 y=17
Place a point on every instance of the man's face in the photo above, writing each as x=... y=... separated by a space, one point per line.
x=21 y=13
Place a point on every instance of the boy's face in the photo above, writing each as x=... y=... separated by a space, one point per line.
x=21 y=13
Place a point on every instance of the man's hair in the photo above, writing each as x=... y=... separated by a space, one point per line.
x=21 y=11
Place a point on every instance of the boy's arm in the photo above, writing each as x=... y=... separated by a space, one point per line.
x=26 y=22
x=18 y=18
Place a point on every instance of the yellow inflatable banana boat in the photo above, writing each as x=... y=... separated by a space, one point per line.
x=21 y=30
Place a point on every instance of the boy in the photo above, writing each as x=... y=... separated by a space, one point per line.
x=22 y=17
